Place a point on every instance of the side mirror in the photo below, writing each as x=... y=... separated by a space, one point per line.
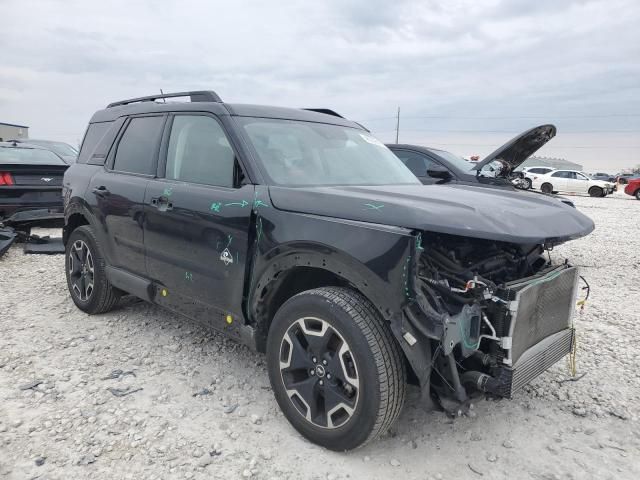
x=438 y=171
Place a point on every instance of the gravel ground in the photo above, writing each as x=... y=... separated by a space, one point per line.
x=199 y=406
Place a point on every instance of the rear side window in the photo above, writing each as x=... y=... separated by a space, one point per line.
x=199 y=152
x=137 y=149
x=562 y=174
x=92 y=137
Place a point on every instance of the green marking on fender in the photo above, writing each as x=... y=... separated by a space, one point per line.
x=242 y=204
x=419 y=242
x=259 y=203
x=168 y=191
x=188 y=276
x=215 y=207
x=373 y=206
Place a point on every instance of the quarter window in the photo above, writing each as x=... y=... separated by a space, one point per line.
x=199 y=152
x=137 y=148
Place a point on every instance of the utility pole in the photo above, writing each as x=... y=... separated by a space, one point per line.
x=398 y=126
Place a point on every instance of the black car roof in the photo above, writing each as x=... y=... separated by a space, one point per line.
x=219 y=108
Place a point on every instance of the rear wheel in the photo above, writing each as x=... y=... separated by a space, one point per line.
x=335 y=368
x=546 y=188
x=90 y=289
x=596 y=192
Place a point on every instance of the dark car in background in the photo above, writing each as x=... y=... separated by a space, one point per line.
x=63 y=150
x=434 y=166
x=30 y=179
x=605 y=177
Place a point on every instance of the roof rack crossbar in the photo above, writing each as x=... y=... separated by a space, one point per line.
x=195 y=96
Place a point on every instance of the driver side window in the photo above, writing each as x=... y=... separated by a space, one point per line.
x=418 y=164
x=199 y=152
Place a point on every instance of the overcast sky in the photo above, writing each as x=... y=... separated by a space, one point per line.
x=467 y=75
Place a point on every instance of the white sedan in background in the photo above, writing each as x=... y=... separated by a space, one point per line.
x=571 y=181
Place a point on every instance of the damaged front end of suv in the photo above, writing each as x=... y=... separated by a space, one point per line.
x=499 y=314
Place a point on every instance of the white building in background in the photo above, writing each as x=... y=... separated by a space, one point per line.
x=10 y=131
x=559 y=163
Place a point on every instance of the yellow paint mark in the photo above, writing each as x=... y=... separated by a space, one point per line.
x=164 y=292
x=229 y=319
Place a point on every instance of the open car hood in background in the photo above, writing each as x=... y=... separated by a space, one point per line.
x=519 y=148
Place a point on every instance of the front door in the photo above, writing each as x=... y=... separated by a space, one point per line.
x=197 y=220
x=579 y=183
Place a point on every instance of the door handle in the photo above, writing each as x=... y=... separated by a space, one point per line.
x=101 y=191
x=162 y=203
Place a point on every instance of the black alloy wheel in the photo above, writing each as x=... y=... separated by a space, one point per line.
x=85 y=269
x=319 y=372
x=81 y=270
x=336 y=370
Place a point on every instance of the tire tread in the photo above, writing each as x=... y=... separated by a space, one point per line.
x=388 y=358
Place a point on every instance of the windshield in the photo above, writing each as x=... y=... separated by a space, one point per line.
x=296 y=153
x=29 y=155
x=455 y=160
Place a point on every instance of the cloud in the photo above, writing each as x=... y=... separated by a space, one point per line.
x=571 y=63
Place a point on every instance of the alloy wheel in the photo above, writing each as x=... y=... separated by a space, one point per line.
x=319 y=372
x=81 y=270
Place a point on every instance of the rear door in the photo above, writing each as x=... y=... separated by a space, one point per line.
x=117 y=191
x=198 y=214
x=559 y=180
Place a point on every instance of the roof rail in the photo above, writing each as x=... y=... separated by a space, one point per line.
x=196 y=96
x=326 y=111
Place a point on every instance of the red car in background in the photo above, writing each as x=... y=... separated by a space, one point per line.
x=633 y=187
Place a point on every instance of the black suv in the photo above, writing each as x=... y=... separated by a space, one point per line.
x=299 y=234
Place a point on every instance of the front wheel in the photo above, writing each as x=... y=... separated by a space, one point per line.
x=335 y=368
x=596 y=192
x=527 y=183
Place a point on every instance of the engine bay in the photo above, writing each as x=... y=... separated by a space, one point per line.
x=490 y=306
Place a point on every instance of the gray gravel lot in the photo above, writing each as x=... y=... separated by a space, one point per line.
x=198 y=406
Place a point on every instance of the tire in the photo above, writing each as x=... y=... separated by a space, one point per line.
x=546 y=188
x=85 y=270
x=358 y=385
x=527 y=183
x=637 y=194
x=596 y=192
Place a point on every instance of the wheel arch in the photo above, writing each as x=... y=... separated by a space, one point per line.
x=300 y=270
x=76 y=213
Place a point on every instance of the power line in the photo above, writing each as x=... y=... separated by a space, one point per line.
x=483 y=117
